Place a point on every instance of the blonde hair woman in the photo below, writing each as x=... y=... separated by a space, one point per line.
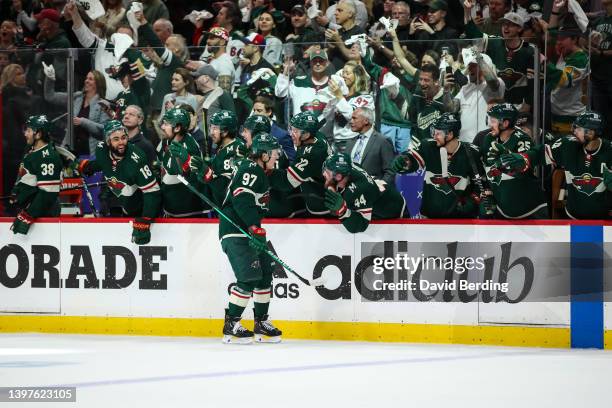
x=350 y=90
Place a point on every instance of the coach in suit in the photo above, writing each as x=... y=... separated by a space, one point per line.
x=371 y=150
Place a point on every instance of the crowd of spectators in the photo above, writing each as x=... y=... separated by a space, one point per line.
x=377 y=73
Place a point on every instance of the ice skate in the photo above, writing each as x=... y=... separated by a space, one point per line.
x=265 y=332
x=234 y=332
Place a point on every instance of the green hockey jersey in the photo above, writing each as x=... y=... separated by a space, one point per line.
x=306 y=172
x=587 y=196
x=246 y=201
x=38 y=182
x=130 y=180
x=518 y=195
x=178 y=200
x=285 y=204
x=515 y=67
x=222 y=165
x=369 y=199
x=423 y=114
x=453 y=196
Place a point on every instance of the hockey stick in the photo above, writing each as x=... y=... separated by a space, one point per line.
x=480 y=184
x=95 y=211
x=444 y=166
x=310 y=282
x=98 y=184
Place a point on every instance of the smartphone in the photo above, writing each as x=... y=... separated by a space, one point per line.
x=449 y=70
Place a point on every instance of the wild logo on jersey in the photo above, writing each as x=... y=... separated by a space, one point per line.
x=425 y=121
x=443 y=184
x=587 y=184
x=115 y=185
x=264 y=200
x=510 y=76
x=494 y=175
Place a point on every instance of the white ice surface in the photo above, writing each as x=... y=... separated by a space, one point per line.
x=126 y=371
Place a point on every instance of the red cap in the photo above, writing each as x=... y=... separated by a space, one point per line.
x=50 y=14
x=255 y=39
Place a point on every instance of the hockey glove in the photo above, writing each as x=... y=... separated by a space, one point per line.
x=494 y=152
x=399 y=164
x=82 y=167
x=487 y=207
x=22 y=223
x=141 y=232
x=515 y=162
x=335 y=203
x=607 y=178
x=180 y=152
x=258 y=239
x=201 y=169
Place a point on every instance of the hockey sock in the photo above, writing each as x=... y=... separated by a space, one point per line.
x=261 y=301
x=239 y=299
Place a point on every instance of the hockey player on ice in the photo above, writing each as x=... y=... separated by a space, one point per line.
x=246 y=203
x=39 y=177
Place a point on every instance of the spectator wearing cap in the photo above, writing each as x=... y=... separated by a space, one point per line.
x=513 y=57
x=339 y=53
x=252 y=56
x=309 y=90
x=483 y=88
x=565 y=78
x=435 y=29
x=266 y=26
x=216 y=55
x=50 y=37
x=300 y=25
x=492 y=25
x=212 y=98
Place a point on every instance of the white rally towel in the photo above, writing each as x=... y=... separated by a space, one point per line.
x=581 y=19
x=195 y=15
x=121 y=42
x=93 y=8
x=131 y=18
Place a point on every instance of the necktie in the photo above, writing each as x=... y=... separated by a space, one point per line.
x=359 y=149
